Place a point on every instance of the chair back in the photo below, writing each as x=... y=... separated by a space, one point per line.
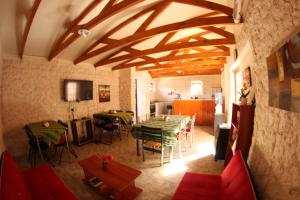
x=152 y=134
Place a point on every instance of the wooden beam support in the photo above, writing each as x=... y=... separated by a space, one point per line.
x=190 y=73
x=195 y=22
x=169 y=47
x=110 y=11
x=208 y=5
x=184 y=64
x=176 y=57
x=33 y=11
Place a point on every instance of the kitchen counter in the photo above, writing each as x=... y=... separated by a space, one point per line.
x=204 y=109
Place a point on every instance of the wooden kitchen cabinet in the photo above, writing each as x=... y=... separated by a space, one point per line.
x=205 y=110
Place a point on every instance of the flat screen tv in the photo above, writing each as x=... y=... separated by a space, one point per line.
x=78 y=90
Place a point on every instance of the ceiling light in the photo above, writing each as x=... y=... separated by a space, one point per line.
x=178 y=71
x=83 y=32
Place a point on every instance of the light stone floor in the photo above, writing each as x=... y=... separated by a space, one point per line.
x=157 y=182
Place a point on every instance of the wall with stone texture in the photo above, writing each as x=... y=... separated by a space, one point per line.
x=32 y=90
x=274 y=156
x=182 y=85
x=127 y=89
x=1 y=124
x=143 y=94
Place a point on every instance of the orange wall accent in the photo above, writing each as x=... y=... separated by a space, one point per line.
x=205 y=110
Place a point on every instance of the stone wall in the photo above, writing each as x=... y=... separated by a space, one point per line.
x=143 y=84
x=127 y=89
x=182 y=85
x=274 y=157
x=32 y=90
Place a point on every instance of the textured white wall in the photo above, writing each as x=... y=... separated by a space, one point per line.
x=182 y=85
x=32 y=90
x=127 y=89
x=144 y=96
x=274 y=157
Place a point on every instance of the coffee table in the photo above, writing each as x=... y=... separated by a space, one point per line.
x=118 y=179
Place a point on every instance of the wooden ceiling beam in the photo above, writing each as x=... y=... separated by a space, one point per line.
x=63 y=42
x=195 y=22
x=187 y=69
x=170 y=47
x=208 y=5
x=190 y=73
x=108 y=59
x=105 y=38
x=33 y=11
x=176 y=57
x=185 y=64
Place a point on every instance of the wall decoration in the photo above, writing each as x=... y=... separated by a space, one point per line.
x=104 y=93
x=247 y=77
x=284 y=75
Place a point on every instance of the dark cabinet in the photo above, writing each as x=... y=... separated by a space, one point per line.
x=221 y=144
x=240 y=136
x=82 y=131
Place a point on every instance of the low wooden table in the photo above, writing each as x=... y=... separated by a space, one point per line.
x=118 y=179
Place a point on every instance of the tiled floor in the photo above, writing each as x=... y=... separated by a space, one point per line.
x=157 y=182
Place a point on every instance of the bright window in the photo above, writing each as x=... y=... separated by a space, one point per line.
x=196 y=88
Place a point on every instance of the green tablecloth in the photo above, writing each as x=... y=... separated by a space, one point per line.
x=124 y=116
x=52 y=134
x=170 y=127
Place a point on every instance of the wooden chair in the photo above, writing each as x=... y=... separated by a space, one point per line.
x=126 y=128
x=152 y=140
x=190 y=130
x=181 y=137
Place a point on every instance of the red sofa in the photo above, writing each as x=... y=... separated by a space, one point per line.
x=233 y=184
x=39 y=183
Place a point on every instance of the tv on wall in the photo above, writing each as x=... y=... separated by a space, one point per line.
x=78 y=90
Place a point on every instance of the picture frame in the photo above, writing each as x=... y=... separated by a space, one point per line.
x=247 y=79
x=104 y=93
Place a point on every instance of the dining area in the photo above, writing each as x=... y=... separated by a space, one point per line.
x=163 y=132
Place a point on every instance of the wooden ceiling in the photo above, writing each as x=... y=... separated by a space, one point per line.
x=194 y=46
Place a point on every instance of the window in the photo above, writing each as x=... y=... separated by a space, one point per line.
x=151 y=87
x=196 y=88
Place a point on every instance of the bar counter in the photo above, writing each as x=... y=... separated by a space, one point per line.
x=204 y=108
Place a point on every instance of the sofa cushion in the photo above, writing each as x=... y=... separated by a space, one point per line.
x=44 y=184
x=198 y=187
x=13 y=184
x=236 y=182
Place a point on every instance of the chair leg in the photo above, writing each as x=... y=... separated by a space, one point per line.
x=143 y=152
x=180 y=152
x=162 y=157
x=62 y=150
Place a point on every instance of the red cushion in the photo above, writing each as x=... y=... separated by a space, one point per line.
x=236 y=182
x=198 y=186
x=44 y=184
x=13 y=185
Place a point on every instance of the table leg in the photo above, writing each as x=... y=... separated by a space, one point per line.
x=39 y=148
x=137 y=147
x=70 y=149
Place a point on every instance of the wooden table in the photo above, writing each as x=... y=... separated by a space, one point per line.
x=118 y=179
x=170 y=128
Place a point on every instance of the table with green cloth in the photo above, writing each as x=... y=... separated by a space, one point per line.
x=124 y=116
x=55 y=133
x=170 y=128
x=51 y=135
